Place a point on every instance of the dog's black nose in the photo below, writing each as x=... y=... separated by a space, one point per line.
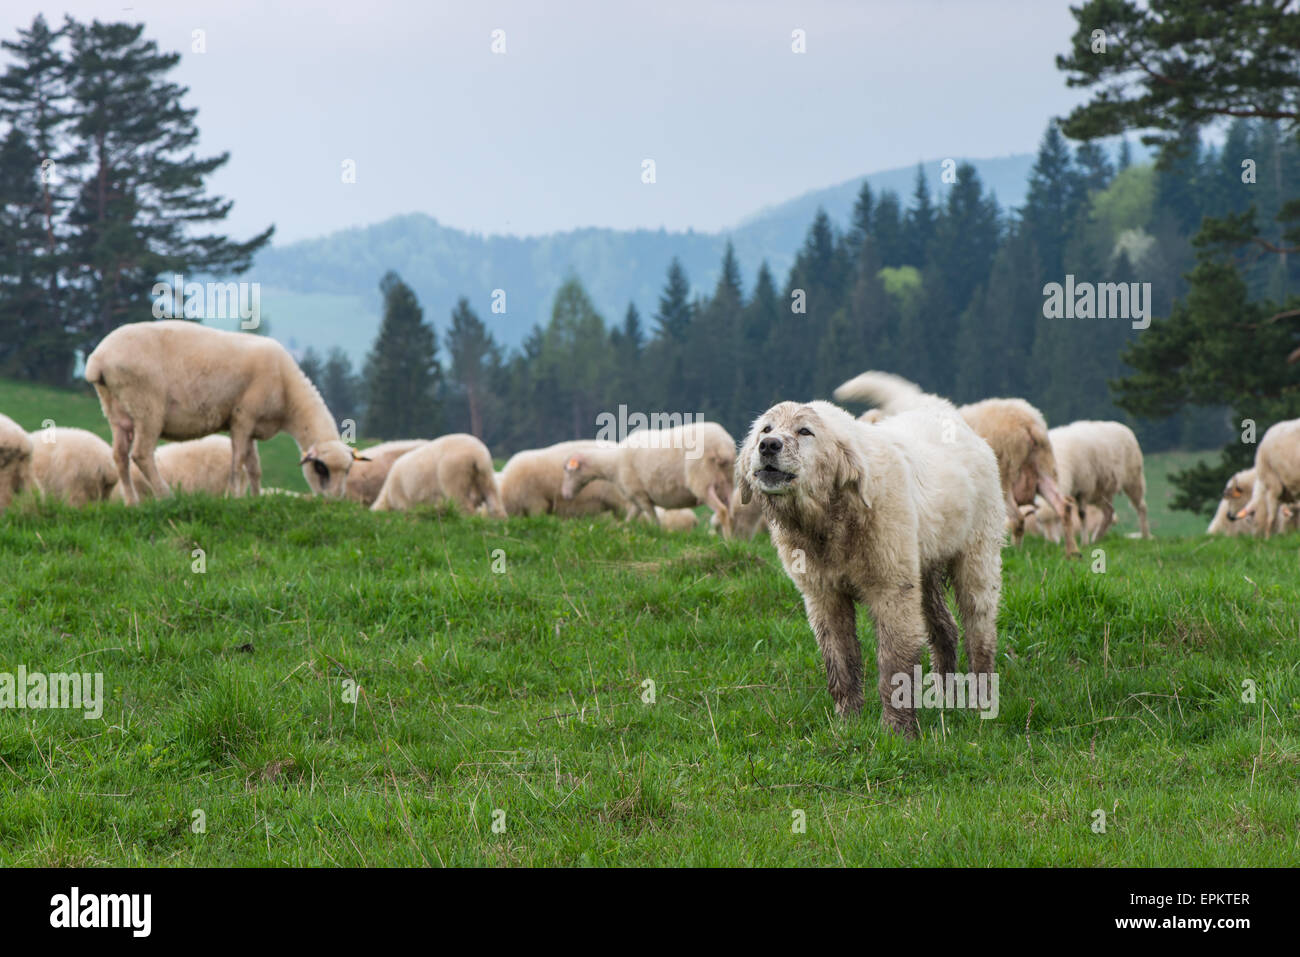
x=770 y=446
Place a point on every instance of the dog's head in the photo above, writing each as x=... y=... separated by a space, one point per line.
x=797 y=453
x=326 y=464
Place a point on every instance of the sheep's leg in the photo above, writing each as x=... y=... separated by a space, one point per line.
x=1107 y=519
x=238 y=456
x=834 y=624
x=253 y=468
x=977 y=581
x=647 y=506
x=900 y=635
x=939 y=620
x=142 y=454
x=1269 y=518
x=714 y=501
x=122 y=437
x=1013 y=515
x=1137 y=495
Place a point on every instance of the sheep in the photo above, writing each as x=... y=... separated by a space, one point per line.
x=456 y=466
x=530 y=484
x=1277 y=476
x=1041 y=520
x=73 y=465
x=1095 y=461
x=681 y=467
x=677 y=519
x=15 y=461
x=174 y=379
x=1017 y=433
x=747 y=519
x=1239 y=489
x=194 y=466
x=367 y=477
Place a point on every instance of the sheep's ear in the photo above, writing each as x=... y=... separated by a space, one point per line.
x=358 y=457
x=308 y=456
x=851 y=469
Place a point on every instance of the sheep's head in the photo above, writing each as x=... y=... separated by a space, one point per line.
x=577 y=473
x=326 y=464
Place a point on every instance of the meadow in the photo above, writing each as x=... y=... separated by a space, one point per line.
x=336 y=687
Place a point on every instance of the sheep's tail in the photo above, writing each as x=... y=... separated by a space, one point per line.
x=93 y=373
x=889 y=392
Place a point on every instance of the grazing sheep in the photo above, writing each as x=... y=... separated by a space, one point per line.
x=530 y=484
x=680 y=467
x=887 y=514
x=1041 y=520
x=1017 y=433
x=677 y=519
x=194 y=466
x=456 y=467
x=73 y=465
x=367 y=477
x=179 y=380
x=15 y=461
x=1277 y=476
x=1095 y=461
x=746 y=519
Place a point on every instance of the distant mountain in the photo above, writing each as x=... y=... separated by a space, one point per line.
x=324 y=292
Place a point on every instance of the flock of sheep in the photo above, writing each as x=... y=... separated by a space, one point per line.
x=888 y=509
x=182 y=381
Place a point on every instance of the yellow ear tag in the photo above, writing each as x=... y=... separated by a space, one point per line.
x=571 y=464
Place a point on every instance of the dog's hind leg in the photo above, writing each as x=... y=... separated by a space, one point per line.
x=834 y=622
x=939 y=620
x=977 y=580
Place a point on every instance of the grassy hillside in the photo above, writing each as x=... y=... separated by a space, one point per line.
x=503 y=668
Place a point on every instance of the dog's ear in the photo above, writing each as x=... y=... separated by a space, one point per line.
x=741 y=469
x=851 y=469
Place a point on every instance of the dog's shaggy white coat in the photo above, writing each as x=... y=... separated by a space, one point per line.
x=886 y=514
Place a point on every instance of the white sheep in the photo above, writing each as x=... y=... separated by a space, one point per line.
x=747 y=519
x=456 y=467
x=179 y=380
x=15 y=461
x=1277 y=476
x=368 y=474
x=530 y=484
x=72 y=465
x=680 y=467
x=1095 y=461
x=677 y=519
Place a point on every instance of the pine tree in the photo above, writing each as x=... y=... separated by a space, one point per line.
x=919 y=224
x=861 y=225
x=474 y=354
x=1052 y=202
x=312 y=367
x=340 y=388
x=887 y=231
x=34 y=343
x=402 y=375
x=140 y=193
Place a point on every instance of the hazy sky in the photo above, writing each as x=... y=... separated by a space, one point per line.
x=552 y=134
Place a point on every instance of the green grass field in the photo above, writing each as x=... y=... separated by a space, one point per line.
x=502 y=671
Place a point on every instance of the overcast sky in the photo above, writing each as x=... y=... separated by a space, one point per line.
x=551 y=134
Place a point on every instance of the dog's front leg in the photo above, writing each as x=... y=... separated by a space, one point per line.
x=834 y=622
x=900 y=635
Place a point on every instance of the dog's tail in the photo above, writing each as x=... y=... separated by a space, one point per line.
x=888 y=392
